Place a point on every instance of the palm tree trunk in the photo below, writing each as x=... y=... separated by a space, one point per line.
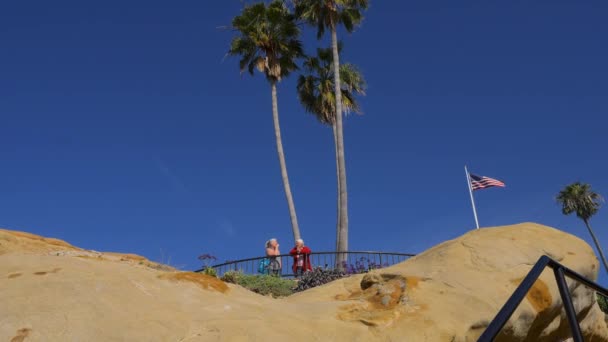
x=338 y=184
x=277 y=133
x=343 y=198
x=597 y=245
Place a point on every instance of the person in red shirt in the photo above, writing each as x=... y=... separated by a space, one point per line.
x=301 y=258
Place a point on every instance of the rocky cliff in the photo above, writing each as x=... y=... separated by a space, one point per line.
x=52 y=291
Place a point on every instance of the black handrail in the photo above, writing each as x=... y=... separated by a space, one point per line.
x=324 y=259
x=560 y=271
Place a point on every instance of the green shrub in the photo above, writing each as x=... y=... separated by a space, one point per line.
x=232 y=277
x=267 y=285
x=210 y=271
x=602 y=302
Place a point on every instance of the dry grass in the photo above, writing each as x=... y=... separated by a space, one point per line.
x=23 y=234
x=126 y=256
x=16 y=241
x=26 y=235
x=202 y=280
x=159 y=267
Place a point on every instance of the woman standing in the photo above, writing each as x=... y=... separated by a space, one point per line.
x=272 y=253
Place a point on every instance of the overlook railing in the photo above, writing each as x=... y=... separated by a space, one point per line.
x=561 y=272
x=355 y=262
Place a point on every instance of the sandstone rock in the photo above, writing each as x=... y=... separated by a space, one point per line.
x=455 y=289
x=52 y=291
x=57 y=292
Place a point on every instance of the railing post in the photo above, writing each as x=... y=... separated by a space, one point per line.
x=568 y=306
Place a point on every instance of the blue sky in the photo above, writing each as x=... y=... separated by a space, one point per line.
x=125 y=127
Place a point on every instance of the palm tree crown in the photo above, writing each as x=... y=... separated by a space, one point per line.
x=316 y=88
x=580 y=199
x=268 y=40
x=331 y=13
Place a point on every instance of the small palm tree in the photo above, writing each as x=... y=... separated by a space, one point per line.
x=268 y=40
x=329 y=15
x=580 y=199
x=316 y=93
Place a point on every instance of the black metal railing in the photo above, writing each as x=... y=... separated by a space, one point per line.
x=560 y=271
x=354 y=262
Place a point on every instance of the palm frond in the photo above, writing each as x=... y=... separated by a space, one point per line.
x=579 y=198
x=316 y=89
x=267 y=40
x=328 y=14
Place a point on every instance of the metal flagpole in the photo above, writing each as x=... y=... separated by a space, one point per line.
x=471 y=193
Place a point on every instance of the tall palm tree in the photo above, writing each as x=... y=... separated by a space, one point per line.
x=268 y=40
x=329 y=14
x=580 y=199
x=316 y=93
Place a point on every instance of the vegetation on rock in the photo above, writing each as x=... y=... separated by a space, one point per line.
x=318 y=277
x=602 y=302
x=262 y=284
x=210 y=271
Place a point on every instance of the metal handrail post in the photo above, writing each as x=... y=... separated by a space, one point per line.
x=567 y=301
x=518 y=295
x=561 y=272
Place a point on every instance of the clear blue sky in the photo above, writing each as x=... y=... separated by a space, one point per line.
x=124 y=127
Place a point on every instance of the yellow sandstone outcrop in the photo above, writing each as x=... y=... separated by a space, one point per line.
x=52 y=291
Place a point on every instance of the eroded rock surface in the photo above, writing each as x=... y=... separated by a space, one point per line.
x=452 y=291
x=53 y=291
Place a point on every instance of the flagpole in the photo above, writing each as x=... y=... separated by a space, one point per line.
x=471 y=193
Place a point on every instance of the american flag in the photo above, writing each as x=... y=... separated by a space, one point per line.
x=478 y=183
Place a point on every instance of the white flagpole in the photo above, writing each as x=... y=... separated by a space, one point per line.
x=471 y=193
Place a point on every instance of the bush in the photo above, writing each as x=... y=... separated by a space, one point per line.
x=602 y=302
x=207 y=259
x=265 y=284
x=318 y=277
x=210 y=271
x=232 y=277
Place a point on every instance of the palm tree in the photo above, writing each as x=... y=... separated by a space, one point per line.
x=316 y=93
x=580 y=199
x=268 y=40
x=329 y=14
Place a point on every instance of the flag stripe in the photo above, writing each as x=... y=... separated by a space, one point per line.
x=478 y=183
